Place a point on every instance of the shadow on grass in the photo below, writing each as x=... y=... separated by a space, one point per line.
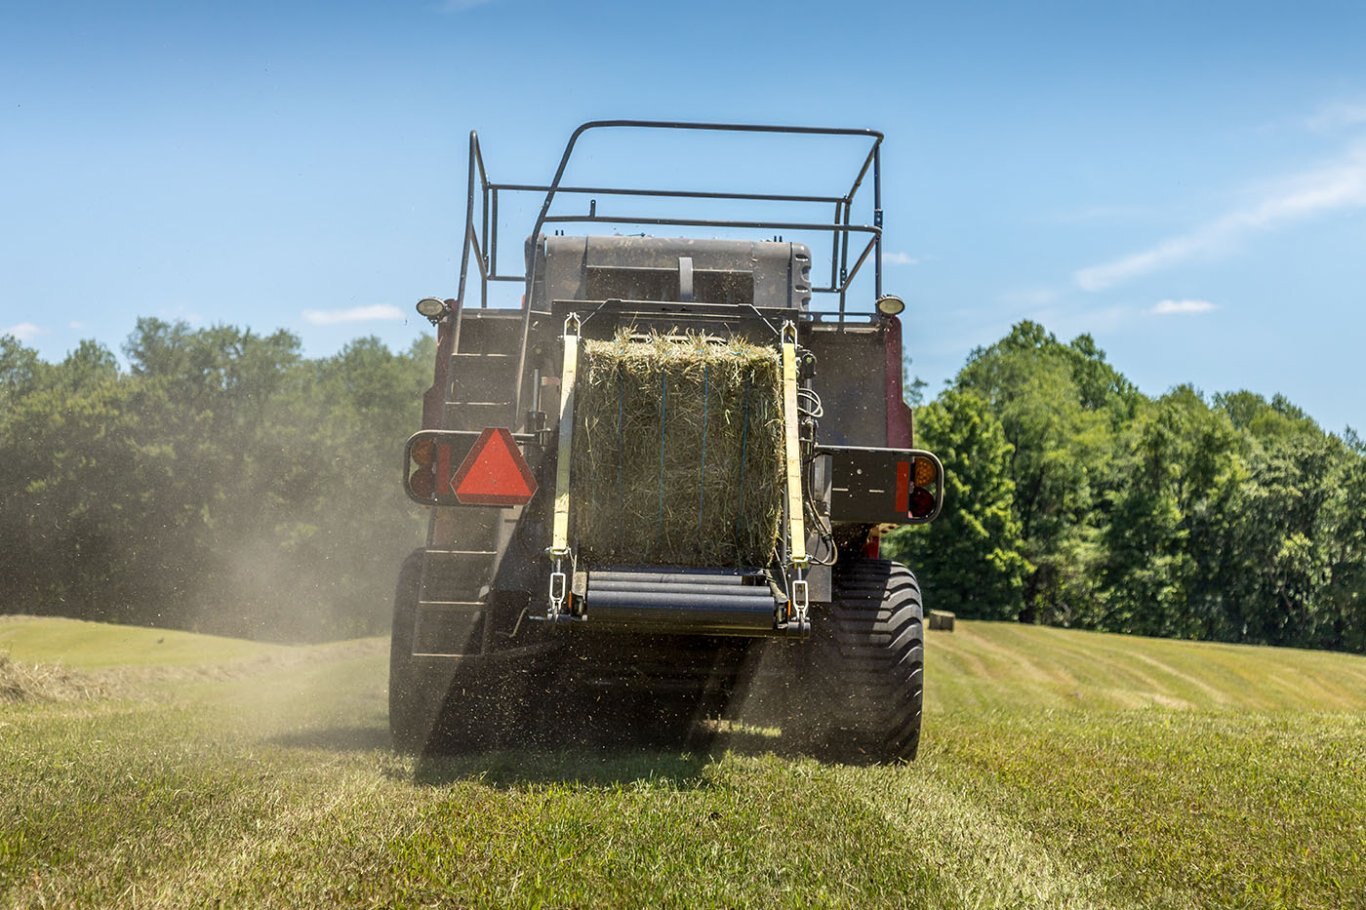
x=593 y=761
x=576 y=766
x=575 y=762
x=584 y=764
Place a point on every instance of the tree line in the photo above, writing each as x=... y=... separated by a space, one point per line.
x=1074 y=499
x=219 y=480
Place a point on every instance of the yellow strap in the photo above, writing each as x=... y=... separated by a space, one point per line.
x=796 y=523
x=559 y=541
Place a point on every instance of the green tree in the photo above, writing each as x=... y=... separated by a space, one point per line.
x=1062 y=442
x=1163 y=569
x=970 y=558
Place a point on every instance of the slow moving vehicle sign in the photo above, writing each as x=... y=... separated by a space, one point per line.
x=494 y=473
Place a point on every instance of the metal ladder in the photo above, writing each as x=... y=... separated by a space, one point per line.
x=453 y=596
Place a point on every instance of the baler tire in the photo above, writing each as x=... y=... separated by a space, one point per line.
x=458 y=705
x=412 y=712
x=868 y=662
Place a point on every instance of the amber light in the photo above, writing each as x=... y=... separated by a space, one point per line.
x=423 y=451
x=925 y=474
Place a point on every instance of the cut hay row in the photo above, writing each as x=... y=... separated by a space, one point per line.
x=678 y=454
x=25 y=682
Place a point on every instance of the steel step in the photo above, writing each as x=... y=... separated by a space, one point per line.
x=448 y=628
x=478 y=415
x=476 y=377
x=455 y=576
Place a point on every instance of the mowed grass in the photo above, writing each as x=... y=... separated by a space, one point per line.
x=1058 y=769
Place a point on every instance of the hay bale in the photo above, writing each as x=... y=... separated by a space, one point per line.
x=942 y=620
x=678 y=455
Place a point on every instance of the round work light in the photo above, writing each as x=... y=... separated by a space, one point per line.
x=890 y=305
x=432 y=308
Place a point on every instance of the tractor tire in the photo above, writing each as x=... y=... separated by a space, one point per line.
x=863 y=679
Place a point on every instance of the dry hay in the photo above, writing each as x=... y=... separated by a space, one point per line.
x=678 y=455
x=21 y=682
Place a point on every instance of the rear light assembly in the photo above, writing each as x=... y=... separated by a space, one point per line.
x=877 y=486
x=453 y=468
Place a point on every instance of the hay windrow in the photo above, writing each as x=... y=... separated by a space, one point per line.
x=678 y=456
x=24 y=682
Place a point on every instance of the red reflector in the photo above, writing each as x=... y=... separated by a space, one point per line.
x=903 y=486
x=494 y=473
x=443 y=467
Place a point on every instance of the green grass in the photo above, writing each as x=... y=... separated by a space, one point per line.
x=1058 y=769
x=92 y=644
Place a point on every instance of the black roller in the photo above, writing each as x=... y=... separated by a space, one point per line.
x=675 y=587
x=707 y=603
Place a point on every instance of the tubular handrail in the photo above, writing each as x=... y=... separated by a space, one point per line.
x=840 y=226
x=482 y=240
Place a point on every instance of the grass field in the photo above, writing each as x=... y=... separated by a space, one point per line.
x=1058 y=769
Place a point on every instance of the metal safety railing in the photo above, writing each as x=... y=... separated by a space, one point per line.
x=482 y=230
x=481 y=235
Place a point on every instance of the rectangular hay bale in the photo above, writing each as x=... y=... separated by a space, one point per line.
x=678 y=452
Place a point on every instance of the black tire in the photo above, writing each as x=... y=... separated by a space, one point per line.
x=864 y=672
x=412 y=709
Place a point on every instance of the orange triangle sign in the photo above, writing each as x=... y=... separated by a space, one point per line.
x=494 y=473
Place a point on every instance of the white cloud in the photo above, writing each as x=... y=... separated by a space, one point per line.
x=900 y=259
x=1338 y=115
x=377 y=312
x=1181 y=307
x=24 y=331
x=75 y=324
x=1339 y=185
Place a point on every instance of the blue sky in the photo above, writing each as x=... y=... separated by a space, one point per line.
x=1187 y=182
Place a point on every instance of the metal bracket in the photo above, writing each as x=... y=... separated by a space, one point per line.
x=801 y=602
x=559 y=589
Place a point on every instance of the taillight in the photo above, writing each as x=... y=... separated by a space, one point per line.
x=423 y=483
x=922 y=503
x=423 y=455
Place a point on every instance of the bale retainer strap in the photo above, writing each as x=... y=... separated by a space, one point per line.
x=559 y=541
x=796 y=523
